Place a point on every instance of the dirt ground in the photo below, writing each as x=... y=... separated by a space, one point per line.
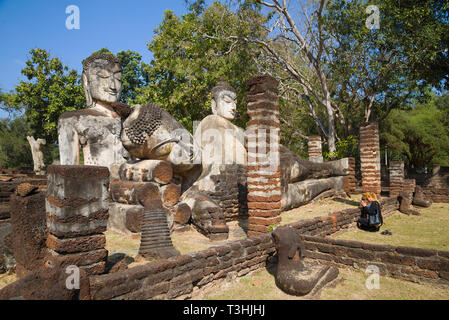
x=192 y=240
x=349 y=285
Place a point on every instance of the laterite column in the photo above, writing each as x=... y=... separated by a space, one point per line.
x=263 y=165
x=370 y=158
x=77 y=216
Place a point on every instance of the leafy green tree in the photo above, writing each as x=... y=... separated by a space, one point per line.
x=419 y=136
x=189 y=60
x=51 y=89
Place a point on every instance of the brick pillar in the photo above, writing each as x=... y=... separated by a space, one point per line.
x=77 y=215
x=396 y=177
x=350 y=181
x=408 y=188
x=315 y=150
x=263 y=166
x=370 y=158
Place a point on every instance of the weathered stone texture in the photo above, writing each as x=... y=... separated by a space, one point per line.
x=77 y=206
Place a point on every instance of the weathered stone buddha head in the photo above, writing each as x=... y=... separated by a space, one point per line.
x=102 y=78
x=224 y=100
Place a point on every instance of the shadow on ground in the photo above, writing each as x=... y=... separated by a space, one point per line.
x=347 y=201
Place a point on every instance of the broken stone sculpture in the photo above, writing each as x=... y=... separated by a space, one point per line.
x=304 y=180
x=96 y=129
x=294 y=275
x=149 y=132
x=38 y=155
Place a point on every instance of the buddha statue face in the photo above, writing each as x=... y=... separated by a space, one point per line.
x=224 y=101
x=102 y=79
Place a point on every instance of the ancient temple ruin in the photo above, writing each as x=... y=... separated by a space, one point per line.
x=144 y=173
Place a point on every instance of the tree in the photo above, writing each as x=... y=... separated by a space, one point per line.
x=337 y=70
x=15 y=151
x=420 y=136
x=375 y=71
x=189 y=60
x=51 y=89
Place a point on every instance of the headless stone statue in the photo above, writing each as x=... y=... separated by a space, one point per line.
x=38 y=155
x=96 y=129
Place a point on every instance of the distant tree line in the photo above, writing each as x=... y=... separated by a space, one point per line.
x=335 y=74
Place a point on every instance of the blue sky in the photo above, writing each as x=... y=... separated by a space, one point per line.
x=114 y=24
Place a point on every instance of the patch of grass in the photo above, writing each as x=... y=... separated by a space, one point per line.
x=350 y=285
x=319 y=208
x=429 y=230
x=128 y=244
x=7 y=278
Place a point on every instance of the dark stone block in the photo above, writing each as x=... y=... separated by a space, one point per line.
x=79 y=171
x=29 y=231
x=73 y=245
x=46 y=283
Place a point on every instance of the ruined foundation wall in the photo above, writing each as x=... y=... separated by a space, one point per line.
x=185 y=276
x=412 y=264
x=77 y=215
